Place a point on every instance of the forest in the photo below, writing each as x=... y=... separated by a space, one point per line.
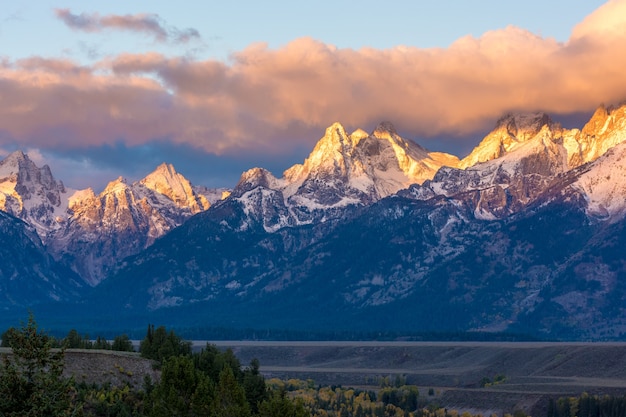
x=211 y=383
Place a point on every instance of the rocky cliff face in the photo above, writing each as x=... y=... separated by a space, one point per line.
x=342 y=172
x=516 y=242
x=90 y=232
x=511 y=131
x=103 y=229
x=505 y=185
x=526 y=234
x=604 y=130
x=32 y=194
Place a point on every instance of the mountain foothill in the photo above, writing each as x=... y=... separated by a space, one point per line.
x=371 y=232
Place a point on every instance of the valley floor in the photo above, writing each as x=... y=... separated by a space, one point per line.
x=479 y=376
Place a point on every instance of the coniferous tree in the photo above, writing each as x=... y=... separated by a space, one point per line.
x=183 y=390
x=230 y=397
x=254 y=385
x=122 y=343
x=160 y=345
x=31 y=380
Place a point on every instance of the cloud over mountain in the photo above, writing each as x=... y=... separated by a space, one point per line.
x=263 y=99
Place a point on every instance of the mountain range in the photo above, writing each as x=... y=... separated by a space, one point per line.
x=370 y=233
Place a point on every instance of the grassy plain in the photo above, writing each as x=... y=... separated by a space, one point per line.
x=456 y=371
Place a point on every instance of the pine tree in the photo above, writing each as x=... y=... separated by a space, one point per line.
x=31 y=380
x=254 y=385
x=230 y=397
x=183 y=390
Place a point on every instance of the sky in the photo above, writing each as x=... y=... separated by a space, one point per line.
x=99 y=90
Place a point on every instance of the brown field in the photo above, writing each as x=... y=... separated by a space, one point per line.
x=534 y=371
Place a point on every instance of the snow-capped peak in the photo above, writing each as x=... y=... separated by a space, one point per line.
x=523 y=126
x=116 y=185
x=510 y=132
x=385 y=130
x=32 y=193
x=342 y=170
x=605 y=129
x=256 y=177
x=166 y=181
x=380 y=163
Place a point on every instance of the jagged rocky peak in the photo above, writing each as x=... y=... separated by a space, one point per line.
x=605 y=120
x=385 y=130
x=166 y=181
x=510 y=132
x=24 y=170
x=14 y=159
x=358 y=135
x=253 y=178
x=118 y=184
x=524 y=126
x=605 y=130
x=31 y=193
x=336 y=143
x=81 y=199
x=597 y=121
x=331 y=156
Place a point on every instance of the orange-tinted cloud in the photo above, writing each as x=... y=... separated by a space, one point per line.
x=149 y=24
x=264 y=99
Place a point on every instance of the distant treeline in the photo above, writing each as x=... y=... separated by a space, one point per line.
x=588 y=406
x=223 y=333
x=73 y=340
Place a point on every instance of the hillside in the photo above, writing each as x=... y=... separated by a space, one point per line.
x=101 y=367
x=533 y=371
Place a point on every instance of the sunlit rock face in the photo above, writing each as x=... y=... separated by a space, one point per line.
x=32 y=194
x=342 y=172
x=605 y=129
x=511 y=132
x=521 y=240
x=123 y=219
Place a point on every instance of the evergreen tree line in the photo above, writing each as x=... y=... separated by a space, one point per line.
x=588 y=406
x=74 y=340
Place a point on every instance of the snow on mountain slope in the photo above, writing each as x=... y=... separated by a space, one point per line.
x=32 y=194
x=605 y=129
x=169 y=183
x=604 y=185
x=211 y=195
x=342 y=171
x=377 y=165
x=504 y=185
x=510 y=132
x=123 y=219
x=93 y=232
x=521 y=158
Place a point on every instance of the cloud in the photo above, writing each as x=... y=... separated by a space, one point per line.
x=272 y=101
x=150 y=24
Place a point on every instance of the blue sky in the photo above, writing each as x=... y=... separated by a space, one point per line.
x=101 y=89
